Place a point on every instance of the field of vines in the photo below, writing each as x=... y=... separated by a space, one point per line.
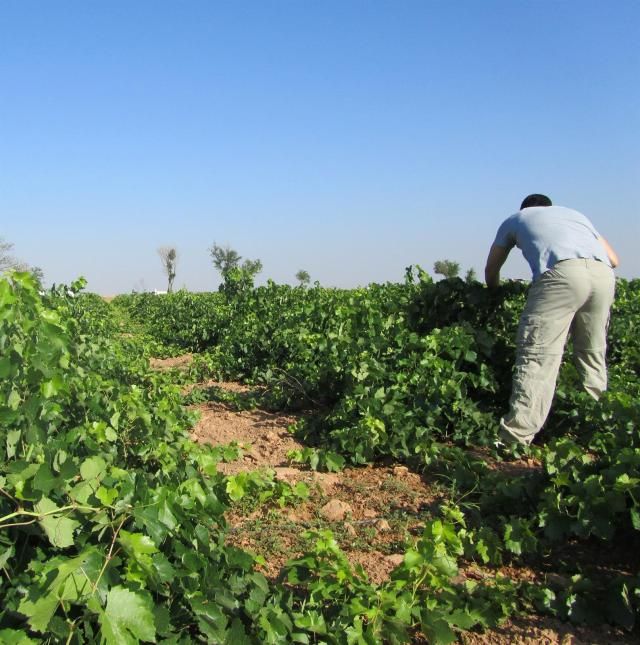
x=112 y=519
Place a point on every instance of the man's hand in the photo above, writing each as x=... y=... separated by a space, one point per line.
x=611 y=254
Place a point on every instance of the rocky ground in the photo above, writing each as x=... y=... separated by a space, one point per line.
x=373 y=511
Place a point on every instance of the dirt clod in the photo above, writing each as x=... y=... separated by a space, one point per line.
x=349 y=529
x=335 y=510
x=382 y=525
x=395 y=559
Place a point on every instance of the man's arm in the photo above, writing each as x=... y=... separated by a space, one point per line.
x=497 y=257
x=613 y=256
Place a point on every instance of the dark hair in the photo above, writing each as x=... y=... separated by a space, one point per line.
x=535 y=200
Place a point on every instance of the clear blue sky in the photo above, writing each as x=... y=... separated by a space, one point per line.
x=348 y=138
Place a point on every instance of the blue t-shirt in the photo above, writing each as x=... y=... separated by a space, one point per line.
x=548 y=234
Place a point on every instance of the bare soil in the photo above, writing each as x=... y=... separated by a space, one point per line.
x=177 y=362
x=528 y=630
x=380 y=511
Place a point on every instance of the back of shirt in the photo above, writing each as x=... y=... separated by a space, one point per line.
x=548 y=234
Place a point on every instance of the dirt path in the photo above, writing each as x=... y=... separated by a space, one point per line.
x=178 y=362
x=373 y=511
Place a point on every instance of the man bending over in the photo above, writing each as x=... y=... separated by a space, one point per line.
x=572 y=291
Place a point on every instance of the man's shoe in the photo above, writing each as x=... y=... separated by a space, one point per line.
x=507 y=451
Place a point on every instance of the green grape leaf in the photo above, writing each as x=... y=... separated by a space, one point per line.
x=93 y=468
x=58 y=528
x=15 y=637
x=39 y=612
x=128 y=617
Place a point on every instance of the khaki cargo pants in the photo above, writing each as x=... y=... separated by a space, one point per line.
x=575 y=296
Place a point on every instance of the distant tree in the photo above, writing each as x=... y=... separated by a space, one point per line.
x=235 y=276
x=224 y=258
x=303 y=277
x=169 y=257
x=470 y=275
x=7 y=260
x=140 y=286
x=447 y=268
x=251 y=267
x=38 y=276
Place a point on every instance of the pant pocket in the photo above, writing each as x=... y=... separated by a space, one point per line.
x=537 y=333
x=531 y=332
